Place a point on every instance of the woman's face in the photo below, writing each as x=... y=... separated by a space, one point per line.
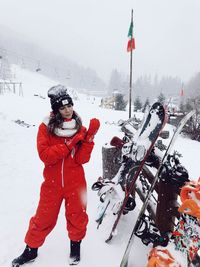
x=66 y=111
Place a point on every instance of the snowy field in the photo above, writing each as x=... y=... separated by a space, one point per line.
x=21 y=176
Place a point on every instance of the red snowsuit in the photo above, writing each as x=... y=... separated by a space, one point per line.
x=64 y=179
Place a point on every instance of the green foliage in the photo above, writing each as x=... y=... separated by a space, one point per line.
x=182 y=106
x=186 y=107
x=120 y=103
x=137 y=104
x=146 y=104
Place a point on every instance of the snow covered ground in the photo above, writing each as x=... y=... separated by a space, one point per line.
x=21 y=176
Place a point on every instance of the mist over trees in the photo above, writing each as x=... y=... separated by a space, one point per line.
x=16 y=50
x=118 y=82
x=145 y=86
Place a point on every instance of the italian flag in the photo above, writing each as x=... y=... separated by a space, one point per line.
x=131 y=41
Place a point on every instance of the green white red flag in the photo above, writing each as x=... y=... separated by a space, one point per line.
x=131 y=41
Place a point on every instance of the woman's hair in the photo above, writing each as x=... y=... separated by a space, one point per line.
x=56 y=121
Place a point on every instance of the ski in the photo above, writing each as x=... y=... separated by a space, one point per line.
x=145 y=137
x=100 y=219
x=125 y=259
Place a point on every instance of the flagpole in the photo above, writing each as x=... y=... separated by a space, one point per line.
x=131 y=72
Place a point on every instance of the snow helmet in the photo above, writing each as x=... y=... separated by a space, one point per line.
x=59 y=97
x=190 y=198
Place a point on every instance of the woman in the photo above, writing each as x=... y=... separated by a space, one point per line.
x=63 y=145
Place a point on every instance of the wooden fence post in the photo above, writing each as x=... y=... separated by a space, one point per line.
x=110 y=159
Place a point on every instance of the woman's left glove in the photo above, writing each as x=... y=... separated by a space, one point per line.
x=92 y=130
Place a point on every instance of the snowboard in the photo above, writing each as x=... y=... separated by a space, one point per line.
x=135 y=153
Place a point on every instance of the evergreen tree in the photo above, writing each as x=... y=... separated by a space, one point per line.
x=193 y=86
x=189 y=105
x=120 y=103
x=115 y=82
x=137 y=104
x=5 y=70
x=182 y=107
x=146 y=104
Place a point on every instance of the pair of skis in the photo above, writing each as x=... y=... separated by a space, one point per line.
x=125 y=259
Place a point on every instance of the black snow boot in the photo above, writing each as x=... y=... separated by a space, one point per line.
x=28 y=255
x=74 y=257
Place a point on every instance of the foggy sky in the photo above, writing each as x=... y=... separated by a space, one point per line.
x=94 y=33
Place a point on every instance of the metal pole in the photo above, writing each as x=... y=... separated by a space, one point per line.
x=130 y=83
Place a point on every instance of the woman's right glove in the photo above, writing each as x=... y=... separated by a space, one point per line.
x=80 y=136
x=92 y=130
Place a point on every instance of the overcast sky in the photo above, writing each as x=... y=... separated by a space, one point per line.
x=94 y=32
